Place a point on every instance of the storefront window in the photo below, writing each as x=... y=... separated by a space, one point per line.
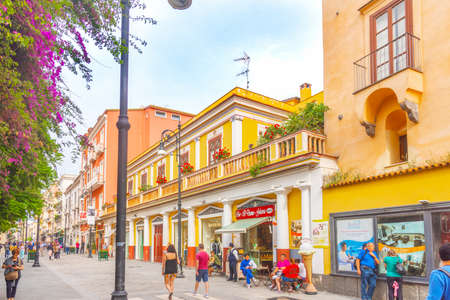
x=209 y=237
x=441 y=232
x=258 y=243
x=351 y=235
x=406 y=237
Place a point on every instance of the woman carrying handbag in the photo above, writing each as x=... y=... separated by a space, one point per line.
x=394 y=272
x=12 y=265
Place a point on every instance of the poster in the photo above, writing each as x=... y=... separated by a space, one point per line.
x=320 y=233
x=296 y=233
x=407 y=239
x=351 y=235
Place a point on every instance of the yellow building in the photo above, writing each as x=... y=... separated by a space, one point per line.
x=386 y=81
x=260 y=197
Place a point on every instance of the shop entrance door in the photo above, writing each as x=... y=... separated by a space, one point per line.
x=140 y=245
x=157 y=243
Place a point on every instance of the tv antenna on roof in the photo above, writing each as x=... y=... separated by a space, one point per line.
x=246 y=60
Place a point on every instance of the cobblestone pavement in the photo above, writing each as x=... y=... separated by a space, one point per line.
x=77 y=277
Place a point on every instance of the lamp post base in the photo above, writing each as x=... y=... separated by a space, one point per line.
x=119 y=295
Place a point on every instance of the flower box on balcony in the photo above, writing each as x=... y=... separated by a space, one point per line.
x=220 y=154
x=161 y=180
x=144 y=187
x=186 y=168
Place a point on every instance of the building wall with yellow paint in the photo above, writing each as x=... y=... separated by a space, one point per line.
x=399 y=190
x=346 y=40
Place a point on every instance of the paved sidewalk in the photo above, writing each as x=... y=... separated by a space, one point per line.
x=77 y=277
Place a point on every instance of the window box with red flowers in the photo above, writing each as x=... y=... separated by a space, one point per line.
x=186 y=168
x=161 y=180
x=220 y=154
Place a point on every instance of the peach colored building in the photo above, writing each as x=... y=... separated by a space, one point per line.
x=99 y=160
x=386 y=81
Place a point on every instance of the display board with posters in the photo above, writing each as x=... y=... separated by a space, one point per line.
x=90 y=215
x=296 y=233
x=320 y=233
x=405 y=237
x=351 y=235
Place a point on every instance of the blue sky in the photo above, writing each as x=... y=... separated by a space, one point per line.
x=188 y=62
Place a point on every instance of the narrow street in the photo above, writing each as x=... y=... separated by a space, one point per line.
x=77 y=277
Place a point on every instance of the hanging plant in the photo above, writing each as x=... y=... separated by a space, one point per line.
x=220 y=154
x=161 y=180
x=186 y=168
x=255 y=170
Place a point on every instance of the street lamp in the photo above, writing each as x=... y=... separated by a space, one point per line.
x=123 y=125
x=38 y=244
x=162 y=152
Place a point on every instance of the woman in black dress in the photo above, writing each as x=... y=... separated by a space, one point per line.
x=170 y=268
x=12 y=265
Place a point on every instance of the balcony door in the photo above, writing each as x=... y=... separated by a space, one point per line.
x=389 y=39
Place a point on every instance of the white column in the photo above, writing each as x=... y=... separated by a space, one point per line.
x=107 y=234
x=236 y=135
x=191 y=227
x=131 y=232
x=171 y=166
x=282 y=217
x=165 y=229
x=305 y=188
x=151 y=175
x=146 y=231
x=227 y=219
x=197 y=153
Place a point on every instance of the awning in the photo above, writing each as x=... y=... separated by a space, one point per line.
x=242 y=226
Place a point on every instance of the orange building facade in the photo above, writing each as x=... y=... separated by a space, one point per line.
x=99 y=158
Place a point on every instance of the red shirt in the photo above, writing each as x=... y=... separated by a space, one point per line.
x=291 y=271
x=203 y=259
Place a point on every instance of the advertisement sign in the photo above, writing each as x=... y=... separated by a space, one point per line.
x=83 y=215
x=296 y=233
x=407 y=239
x=351 y=235
x=255 y=212
x=90 y=215
x=320 y=233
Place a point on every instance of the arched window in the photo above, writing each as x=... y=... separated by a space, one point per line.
x=396 y=136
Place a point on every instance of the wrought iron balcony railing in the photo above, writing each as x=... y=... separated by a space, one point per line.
x=397 y=55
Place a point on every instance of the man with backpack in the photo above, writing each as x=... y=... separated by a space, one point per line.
x=367 y=265
x=439 y=288
x=232 y=261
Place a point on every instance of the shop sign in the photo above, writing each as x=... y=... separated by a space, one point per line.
x=255 y=212
x=320 y=233
x=82 y=215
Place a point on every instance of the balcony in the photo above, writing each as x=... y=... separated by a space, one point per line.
x=299 y=148
x=99 y=149
x=399 y=54
x=95 y=182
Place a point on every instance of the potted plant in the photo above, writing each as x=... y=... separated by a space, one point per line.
x=161 y=179
x=186 y=168
x=220 y=154
x=144 y=187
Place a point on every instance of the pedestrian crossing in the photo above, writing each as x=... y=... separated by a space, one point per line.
x=187 y=296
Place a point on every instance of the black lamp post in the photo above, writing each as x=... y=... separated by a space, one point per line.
x=38 y=244
x=123 y=126
x=162 y=152
x=26 y=236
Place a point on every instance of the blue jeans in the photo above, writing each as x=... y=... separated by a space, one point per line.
x=248 y=274
x=368 y=283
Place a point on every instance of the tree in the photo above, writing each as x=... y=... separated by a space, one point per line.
x=38 y=38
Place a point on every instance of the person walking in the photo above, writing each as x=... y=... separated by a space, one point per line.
x=439 y=288
x=22 y=252
x=13 y=266
x=77 y=247
x=394 y=279
x=366 y=265
x=201 y=266
x=82 y=247
x=233 y=257
x=7 y=251
x=50 y=251
x=170 y=264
